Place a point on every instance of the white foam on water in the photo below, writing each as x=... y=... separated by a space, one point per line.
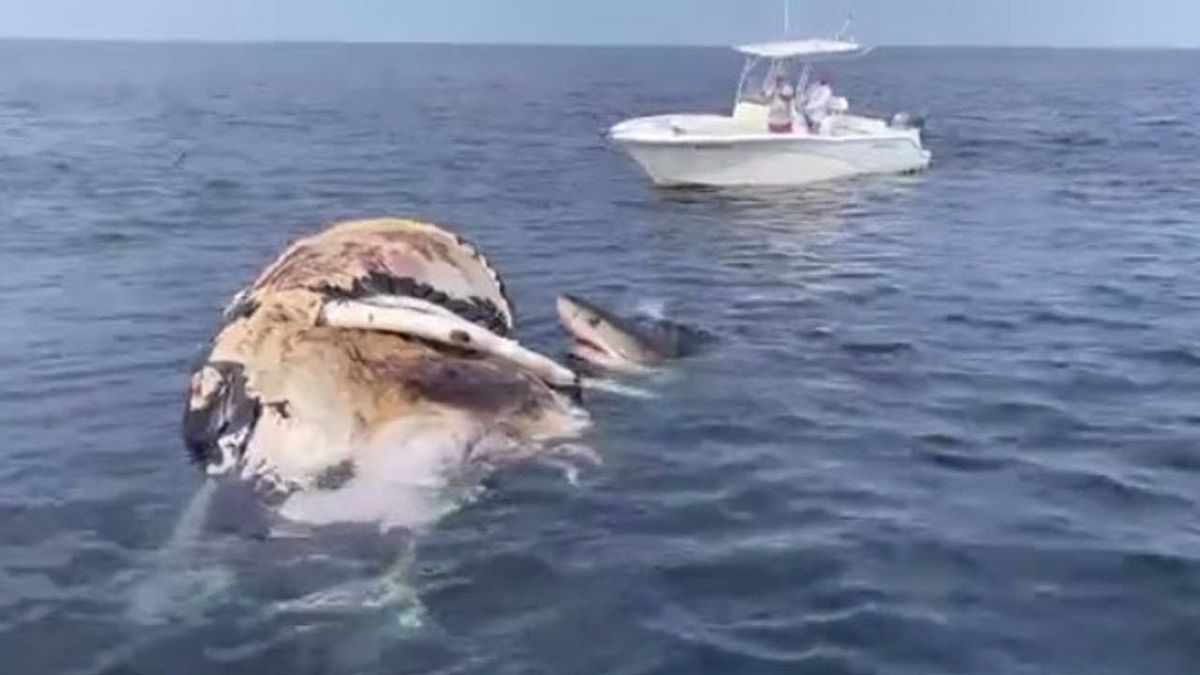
x=177 y=583
x=392 y=592
x=612 y=387
x=654 y=308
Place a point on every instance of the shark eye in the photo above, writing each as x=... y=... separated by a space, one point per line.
x=593 y=322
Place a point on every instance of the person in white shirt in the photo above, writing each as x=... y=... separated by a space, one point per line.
x=817 y=102
x=779 y=106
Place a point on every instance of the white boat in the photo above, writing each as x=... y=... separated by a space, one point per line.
x=739 y=149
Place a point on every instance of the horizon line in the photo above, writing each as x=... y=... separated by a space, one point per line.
x=182 y=41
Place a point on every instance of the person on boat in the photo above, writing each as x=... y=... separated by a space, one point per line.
x=817 y=106
x=779 y=107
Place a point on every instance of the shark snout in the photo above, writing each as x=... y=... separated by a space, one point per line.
x=572 y=310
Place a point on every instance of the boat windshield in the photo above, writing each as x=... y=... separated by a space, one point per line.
x=759 y=74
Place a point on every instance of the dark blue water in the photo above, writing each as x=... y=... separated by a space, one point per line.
x=950 y=426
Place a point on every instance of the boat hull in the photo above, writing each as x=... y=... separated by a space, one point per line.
x=771 y=159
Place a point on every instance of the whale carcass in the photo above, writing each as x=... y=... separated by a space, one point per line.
x=355 y=348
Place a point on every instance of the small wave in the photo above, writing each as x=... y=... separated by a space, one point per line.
x=1111 y=489
x=961 y=461
x=1063 y=317
x=1120 y=294
x=260 y=123
x=1160 y=121
x=222 y=184
x=943 y=440
x=881 y=348
x=101 y=238
x=1181 y=459
x=1023 y=411
x=1171 y=356
x=980 y=321
x=1078 y=140
x=19 y=105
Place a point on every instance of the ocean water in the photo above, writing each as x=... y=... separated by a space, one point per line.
x=949 y=426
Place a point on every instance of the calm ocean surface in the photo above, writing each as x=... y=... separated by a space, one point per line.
x=951 y=425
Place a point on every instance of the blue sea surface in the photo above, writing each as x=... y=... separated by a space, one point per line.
x=950 y=424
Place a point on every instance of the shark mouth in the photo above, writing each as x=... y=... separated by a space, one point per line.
x=584 y=344
x=592 y=355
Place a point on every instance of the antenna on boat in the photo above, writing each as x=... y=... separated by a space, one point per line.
x=787 y=17
x=842 y=34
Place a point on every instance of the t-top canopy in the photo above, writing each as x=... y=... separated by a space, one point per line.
x=794 y=48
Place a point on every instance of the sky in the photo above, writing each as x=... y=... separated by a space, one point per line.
x=1119 y=23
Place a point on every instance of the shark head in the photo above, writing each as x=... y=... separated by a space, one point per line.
x=601 y=338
